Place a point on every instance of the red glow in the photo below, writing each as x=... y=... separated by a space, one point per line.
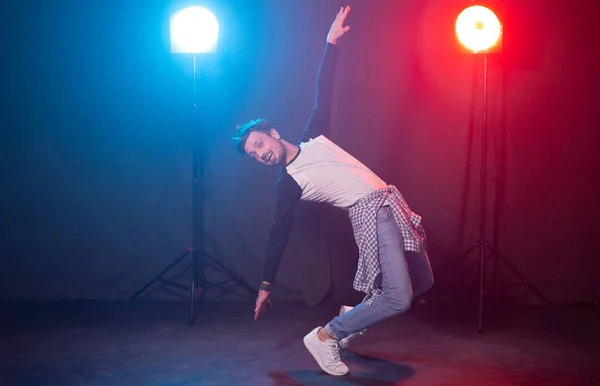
x=478 y=28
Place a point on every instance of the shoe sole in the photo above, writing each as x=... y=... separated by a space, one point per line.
x=313 y=352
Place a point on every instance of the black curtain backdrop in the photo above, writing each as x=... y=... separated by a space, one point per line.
x=96 y=141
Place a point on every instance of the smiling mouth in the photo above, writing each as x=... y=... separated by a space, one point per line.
x=269 y=157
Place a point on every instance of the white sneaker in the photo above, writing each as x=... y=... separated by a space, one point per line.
x=325 y=353
x=344 y=343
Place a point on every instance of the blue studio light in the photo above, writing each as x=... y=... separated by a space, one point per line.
x=194 y=30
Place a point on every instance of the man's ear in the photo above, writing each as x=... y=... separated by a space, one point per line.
x=274 y=134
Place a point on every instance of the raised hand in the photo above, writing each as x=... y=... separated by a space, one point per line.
x=338 y=29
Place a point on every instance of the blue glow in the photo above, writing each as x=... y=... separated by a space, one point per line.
x=194 y=30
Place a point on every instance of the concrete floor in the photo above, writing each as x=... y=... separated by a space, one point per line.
x=150 y=343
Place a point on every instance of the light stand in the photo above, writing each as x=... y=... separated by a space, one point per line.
x=194 y=30
x=471 y=31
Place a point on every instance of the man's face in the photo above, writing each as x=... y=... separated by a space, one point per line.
x=266 y=148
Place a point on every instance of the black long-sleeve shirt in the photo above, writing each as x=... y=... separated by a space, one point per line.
x=321 y=171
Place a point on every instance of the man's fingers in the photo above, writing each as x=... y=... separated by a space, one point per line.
x=257 y=310
x=347 y=28
x=259 y=306
x=341 y=16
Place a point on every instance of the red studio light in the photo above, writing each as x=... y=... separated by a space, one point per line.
x=478 y=29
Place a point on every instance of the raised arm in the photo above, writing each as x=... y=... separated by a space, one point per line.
x=319 y=121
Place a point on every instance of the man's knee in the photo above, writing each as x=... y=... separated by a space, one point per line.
x=399 y=300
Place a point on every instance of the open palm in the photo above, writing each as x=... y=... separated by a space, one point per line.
x=338 y=29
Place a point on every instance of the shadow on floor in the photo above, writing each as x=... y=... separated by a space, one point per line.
x=374 y=372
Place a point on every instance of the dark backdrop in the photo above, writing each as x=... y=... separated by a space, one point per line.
x=96 y=154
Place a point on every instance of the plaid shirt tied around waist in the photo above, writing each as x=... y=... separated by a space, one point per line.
x=363 y=216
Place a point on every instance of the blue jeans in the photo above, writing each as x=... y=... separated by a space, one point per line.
x=405 y=275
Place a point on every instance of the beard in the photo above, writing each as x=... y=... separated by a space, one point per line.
x=282 y=156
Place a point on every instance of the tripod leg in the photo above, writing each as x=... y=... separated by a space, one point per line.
x=516 y=272
x=160 y=275
x=234 y=277
x=457 y=261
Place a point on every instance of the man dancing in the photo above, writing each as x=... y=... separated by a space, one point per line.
x=393 y=266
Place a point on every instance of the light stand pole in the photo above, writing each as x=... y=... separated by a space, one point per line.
x=481 y=243
x=197 y=205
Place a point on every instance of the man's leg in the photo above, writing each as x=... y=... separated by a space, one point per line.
x=396 y=298
x=404 y=274
x=395 y=283
x=421 y=278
